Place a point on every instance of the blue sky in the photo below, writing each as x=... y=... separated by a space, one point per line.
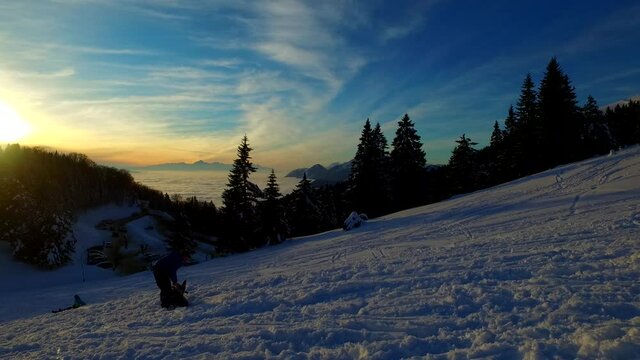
x=144 y=81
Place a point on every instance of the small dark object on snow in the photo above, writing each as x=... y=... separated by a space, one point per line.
x=354 y=220
x=77 y=302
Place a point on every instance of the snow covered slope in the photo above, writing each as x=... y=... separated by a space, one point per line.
x=540 y=267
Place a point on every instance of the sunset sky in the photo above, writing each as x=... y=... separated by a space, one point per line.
x=145 y=81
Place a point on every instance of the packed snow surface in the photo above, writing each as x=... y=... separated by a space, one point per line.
x=542 y=267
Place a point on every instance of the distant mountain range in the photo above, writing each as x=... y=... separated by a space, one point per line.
x=199 y=165
x=336 y=172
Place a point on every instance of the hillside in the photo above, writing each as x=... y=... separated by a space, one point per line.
x=540 y=267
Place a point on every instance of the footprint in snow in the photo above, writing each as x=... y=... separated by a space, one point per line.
x=560 y=181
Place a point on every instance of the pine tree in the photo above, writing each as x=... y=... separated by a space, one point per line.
x=239 y=200
x=39 y=231
x=408 y=161
x=496 y=136
x=327 y=203
x=624 y=122
x=381 y=180
x=527 y=105
x=369 y=180
x=305 y=217
x=510 y=123
x=511 y=147
x=462 y=165
x=528 y=129
x=379 y=144
x=496 y=157
x=202 y=216
x=272 y=191
x=180 y=239
x=596 y=136
x=239 y=197
x=361 y=159
x=274 y=227
x=560 y=141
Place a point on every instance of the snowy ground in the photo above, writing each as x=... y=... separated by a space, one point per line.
x=17 y=277
x=543 y=267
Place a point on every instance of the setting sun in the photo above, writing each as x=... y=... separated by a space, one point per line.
x=12 y=126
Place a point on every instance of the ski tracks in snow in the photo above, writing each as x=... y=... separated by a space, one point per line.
x=500 y=273
x=338 y=255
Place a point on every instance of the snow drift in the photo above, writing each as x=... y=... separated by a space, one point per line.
x=540 y=267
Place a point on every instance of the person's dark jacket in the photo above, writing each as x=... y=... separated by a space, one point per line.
x=169 y=265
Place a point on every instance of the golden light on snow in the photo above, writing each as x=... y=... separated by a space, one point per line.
x=12 y=126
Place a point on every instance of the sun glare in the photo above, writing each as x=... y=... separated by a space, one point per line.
x=12 y=127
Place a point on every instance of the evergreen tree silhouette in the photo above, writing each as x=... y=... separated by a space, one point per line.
x=623 y=121
x=328 y=201
x=180 y=239
x=381 y=179
x=305 y=217
x=239 y=200
x=496 y=156
x=408 y=161
x=272 y=191
x=596 y=136
x=379 y=143
x=361 y=159
x=511 y=146
x=497 y=136
x=510 y=123
x=369 y=177
x=274 y=226
x=560 y=142
x=528 y=134
x=462 y=165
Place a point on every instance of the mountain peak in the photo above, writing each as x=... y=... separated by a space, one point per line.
x=337 y=172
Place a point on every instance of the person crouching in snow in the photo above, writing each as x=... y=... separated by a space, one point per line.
x=165 y=273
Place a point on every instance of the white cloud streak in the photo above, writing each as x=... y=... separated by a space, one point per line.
x=62 y=73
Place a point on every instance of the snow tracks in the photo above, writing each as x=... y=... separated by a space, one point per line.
x=542 y=267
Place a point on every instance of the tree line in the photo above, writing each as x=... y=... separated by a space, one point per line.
x=41 y=191
x=546 y=128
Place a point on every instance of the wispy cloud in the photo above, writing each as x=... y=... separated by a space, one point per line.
x=222 y=63
x=293 y=75
x=298 y=35
x=311 y=63
x=407 y=27
x=412 y=20
x=41 y=51
x=62 y=73
x=161 y=10
x=102 y=50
